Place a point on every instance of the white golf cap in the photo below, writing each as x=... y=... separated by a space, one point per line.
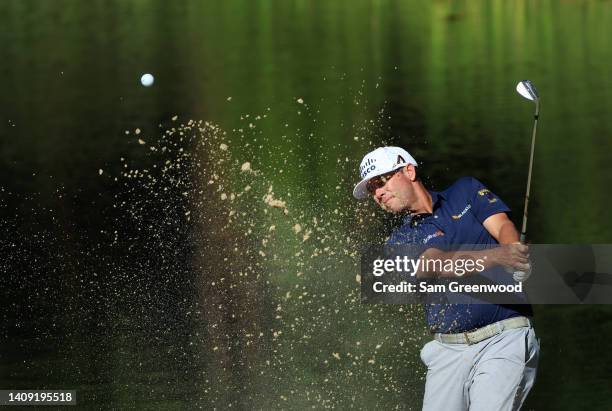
x=378 y=162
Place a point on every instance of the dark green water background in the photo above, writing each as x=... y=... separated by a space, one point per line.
x=141 y=327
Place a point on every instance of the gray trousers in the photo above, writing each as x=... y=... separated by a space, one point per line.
x=494 y=374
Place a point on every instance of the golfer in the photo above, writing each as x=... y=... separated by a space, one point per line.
x=482 y=356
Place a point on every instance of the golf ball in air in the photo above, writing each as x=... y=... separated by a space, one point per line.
x=147 y=80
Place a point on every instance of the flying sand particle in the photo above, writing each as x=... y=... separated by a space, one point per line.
x=276 y=203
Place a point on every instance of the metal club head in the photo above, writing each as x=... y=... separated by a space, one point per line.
x=527 y=90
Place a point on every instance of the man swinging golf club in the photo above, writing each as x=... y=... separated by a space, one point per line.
x=483 y=356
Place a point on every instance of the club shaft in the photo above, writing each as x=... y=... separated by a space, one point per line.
x=533 y=140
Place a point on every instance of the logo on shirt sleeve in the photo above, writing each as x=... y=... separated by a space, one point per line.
x=489 y=195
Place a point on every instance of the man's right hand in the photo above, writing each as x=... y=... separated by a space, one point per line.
x=513 y=256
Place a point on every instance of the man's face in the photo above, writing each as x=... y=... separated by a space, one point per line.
x=394 y=191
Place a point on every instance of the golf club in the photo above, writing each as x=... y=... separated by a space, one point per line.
x=526 y=89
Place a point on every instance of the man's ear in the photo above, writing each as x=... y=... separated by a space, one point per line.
x=410 y=171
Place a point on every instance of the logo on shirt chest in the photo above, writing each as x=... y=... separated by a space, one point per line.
x=462 y=213
x=438 y=233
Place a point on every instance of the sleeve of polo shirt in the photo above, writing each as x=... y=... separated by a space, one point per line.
x=484 y=202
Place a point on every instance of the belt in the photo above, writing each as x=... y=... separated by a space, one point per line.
x=480 y=334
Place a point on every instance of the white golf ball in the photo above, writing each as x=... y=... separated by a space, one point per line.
x=147 y=79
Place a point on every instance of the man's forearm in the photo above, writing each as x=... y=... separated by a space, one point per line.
x=508 y=234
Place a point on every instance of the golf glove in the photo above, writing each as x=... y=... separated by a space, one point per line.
x=522 y=276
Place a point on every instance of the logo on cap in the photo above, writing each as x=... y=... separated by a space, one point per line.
x=367 y=167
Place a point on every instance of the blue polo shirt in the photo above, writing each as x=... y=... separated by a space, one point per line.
x=458 y=214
